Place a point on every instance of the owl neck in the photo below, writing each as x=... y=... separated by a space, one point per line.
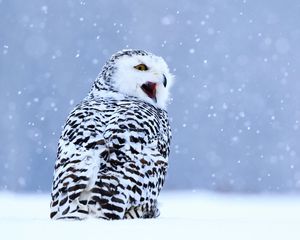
x=101 y=86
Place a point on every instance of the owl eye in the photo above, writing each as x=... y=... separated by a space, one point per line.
x=141 y=67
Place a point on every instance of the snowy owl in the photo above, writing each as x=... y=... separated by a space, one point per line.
x=113 y=153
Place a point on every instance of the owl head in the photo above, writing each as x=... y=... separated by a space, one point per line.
x=136 y=73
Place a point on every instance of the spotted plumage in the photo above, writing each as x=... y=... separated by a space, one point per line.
x=113 y=152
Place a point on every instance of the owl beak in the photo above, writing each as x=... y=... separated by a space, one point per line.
x=150 y=89
x=165 y=81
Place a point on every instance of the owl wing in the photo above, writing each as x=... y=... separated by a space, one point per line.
x=78 y=161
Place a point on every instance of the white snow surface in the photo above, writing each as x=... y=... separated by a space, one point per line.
x=184 y=215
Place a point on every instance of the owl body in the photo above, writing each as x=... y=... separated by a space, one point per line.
x=113 y=152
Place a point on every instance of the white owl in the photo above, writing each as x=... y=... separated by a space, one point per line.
x=113 y=152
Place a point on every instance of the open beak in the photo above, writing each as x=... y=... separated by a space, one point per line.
x=150 y=89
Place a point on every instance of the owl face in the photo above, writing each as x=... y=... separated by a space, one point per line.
x=144 y=76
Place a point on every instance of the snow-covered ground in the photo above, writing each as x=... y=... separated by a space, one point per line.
x=184 y=215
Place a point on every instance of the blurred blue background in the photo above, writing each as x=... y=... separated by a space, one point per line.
x=236 y=102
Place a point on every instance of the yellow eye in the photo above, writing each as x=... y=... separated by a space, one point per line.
x=141 y=67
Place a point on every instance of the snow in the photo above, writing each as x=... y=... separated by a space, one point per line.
x=184 y=215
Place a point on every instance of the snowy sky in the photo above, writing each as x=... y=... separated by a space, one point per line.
x=235 y=111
